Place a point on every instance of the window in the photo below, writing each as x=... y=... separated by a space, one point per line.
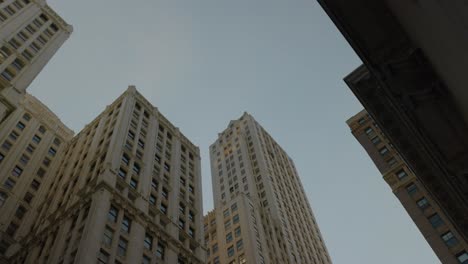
x=181 y=223
x=229 y=237
x=122 y=247
x=28 y=197
x=42 y=129
x=191 y=216
x=35 y=185
x=46 y=162
x=112 y=215
x=136 y=168
x=27 y=117
x=20 y=212
x=401 y=174
x=383 y=151
x=215 y=248
x=126 y=224
x=122 y=173
x=11 y=229
x=369 y=131
x=103 y=257
x=133 y=183
x=9 y=184
x=20 y=125
x=226 y=213
x=152 y=199
x=30 y=148
x=164 y=193
x=125 y=159
x=24 y=159
x=239 y=245
x=435 y=220
x=234 y=207
x=230 y=251
x=148 y=243
x=423 y=203
x=6 y=145
x=17 y=171
x=235 y=219
x=3 y=198
x=36 y=139
x=14 y=135
x=237 y=231
x=2 y=157
x=449 y=239
x=160 y=251
x=376 y=140
x=52 y=152
x=462 y=257
x=107 y=238
x=412 y=189
x=146 y=260
x=163 y=208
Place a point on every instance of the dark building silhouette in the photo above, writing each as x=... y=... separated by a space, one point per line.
x=414 y=85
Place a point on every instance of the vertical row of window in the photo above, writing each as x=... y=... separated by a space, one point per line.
x=436 y=221
x=115 y=240
x=23 y=37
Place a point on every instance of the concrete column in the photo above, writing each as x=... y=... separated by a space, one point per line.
x=135 y=244
x=92 y=237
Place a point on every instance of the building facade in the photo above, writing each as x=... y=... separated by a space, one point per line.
x=127 y=190
x=30 y=34
x=32 y=140
x=245 y=160
x=447 y=243
x=233 y=233
x=413 y=85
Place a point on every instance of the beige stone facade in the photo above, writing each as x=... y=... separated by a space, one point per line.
x=30 y=34
x=127 y=190
x=246 y=160
x=32 y=142
x=433 y=223
x=233 y=233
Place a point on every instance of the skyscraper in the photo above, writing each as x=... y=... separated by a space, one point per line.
x=30 y=34
x=32 y=143
x=447 y=243
x=127 y=190
x=248 y=167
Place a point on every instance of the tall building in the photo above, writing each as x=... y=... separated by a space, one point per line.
x=30 y=34
x=32 y=143
x=127 y=189
x=245 y=160
x=233 y=233
x=413 y=84
x=447 y=243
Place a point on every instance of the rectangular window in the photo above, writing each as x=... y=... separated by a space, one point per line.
x=112 y=215
x=160 y=250
x=229 y=237
x=239 y=245
x=122 y=247
x=449 y=239
x=423 y=203
x=230 y=251
x=462 y=257
x=107 y=238
x=103 y=257
x=401 y=174
x=126 y=224
x=235 y=219
x=148 y=243
x=17 y=171
x=36 y=139
x=412 y=189
x=435 y=220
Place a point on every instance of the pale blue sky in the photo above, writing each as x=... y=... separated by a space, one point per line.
x=203 y=63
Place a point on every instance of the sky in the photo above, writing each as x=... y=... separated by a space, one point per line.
x=205 y=62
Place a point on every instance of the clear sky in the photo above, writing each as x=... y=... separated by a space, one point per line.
x=205 y=62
